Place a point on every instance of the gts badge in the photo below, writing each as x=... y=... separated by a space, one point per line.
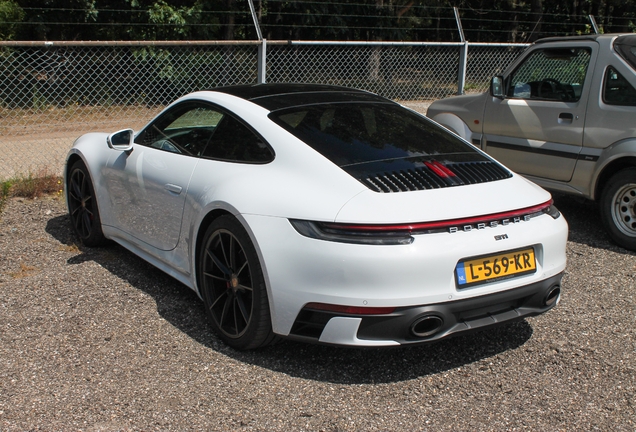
x=501 y=237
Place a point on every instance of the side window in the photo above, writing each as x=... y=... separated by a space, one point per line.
x=233 y=141
x=617 y=90
x=551 y=74
x=185 y=129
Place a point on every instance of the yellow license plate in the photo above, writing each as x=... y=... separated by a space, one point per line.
x=492 y=267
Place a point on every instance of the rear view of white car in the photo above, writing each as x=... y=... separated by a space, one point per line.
x=322 y=214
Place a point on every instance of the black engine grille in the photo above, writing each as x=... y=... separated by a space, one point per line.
x=421 y=178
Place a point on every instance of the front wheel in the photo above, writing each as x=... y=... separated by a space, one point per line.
x=82 y=206
x=618 y=208
x=233 y=287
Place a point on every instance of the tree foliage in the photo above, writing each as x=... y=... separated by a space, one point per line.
x=418 y=20
x=11 y=14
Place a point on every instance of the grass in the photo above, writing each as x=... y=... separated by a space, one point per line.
x=30 y=185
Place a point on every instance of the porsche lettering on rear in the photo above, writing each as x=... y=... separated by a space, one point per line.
x=491 y=224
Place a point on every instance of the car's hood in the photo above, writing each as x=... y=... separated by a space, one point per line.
x=460 y=105
x=443 y=204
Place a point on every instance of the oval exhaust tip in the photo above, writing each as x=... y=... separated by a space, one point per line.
x=427 y=326
x=553 y=296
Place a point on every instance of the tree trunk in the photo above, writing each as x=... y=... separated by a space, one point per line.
x=229 y=20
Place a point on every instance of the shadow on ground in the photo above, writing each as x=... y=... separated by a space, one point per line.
x=182 y=308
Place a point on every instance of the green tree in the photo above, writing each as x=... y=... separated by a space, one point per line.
x=11 y=14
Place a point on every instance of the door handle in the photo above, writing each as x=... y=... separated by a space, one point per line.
x=566 y=117
x=173 y=188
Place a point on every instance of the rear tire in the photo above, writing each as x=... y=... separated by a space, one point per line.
x=618 y=208
x=82 y=204
x=233 y=287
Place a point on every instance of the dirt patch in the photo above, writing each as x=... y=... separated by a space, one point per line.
x=33 y=140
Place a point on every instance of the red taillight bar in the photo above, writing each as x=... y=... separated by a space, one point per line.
x=442 y=224
x=351 y=310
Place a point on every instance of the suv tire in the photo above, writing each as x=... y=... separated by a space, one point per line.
x=618 y=207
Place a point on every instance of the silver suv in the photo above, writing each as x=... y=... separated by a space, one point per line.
x=563 y=115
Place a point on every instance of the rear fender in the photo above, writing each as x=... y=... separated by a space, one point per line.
x=619 y=155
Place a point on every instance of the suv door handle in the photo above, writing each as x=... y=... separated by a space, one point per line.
x=566 y=118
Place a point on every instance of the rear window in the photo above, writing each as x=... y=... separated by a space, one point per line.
x=348 y=133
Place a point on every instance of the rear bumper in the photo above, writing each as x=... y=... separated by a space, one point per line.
x=430 y=322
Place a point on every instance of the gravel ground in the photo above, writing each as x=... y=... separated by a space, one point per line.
x=98 y=340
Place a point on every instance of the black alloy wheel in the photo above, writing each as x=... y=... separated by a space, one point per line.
x=82 y=205
x=232 y=286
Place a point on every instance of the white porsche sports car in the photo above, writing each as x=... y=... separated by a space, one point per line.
x=322 y=214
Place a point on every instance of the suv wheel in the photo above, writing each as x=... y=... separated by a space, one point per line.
x=618 y=208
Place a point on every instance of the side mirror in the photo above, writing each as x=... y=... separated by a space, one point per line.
x=121 y=140
x=497 y=87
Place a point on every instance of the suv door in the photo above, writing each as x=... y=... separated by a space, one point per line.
x=537 y=128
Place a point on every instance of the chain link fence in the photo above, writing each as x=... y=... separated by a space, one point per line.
x=50 y=93
x=486 y=60
x=400 y=72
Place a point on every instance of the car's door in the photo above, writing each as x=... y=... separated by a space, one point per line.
x=148 y=186
x=537 y=128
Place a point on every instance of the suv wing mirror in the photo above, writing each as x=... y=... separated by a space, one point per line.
x=121 y=140
x=497 y=87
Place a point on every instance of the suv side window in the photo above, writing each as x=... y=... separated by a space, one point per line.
x=551 y=74
x=617 y=90
x=233 y=141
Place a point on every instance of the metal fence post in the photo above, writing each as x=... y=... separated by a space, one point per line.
x=463 y=55
x=461 y=74
x=594 y=25
x=262 y=62
x=262 y=48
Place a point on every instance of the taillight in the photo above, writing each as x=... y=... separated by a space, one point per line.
x=401 y=234
x=345 y=233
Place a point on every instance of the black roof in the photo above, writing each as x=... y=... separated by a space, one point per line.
x=278 y=96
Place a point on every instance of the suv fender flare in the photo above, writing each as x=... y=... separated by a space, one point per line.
x=621 y=154
x=455 y=124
